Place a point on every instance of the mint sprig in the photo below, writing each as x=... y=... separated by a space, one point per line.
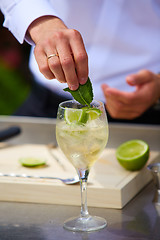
x=84 y=94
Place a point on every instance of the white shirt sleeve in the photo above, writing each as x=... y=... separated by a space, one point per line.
x=19 y=14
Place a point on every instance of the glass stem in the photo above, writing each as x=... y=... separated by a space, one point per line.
x=83 y=175
x=84 y=208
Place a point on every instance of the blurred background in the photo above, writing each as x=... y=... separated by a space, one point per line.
x=15 y=77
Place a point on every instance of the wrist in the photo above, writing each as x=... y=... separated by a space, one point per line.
x=43 y=24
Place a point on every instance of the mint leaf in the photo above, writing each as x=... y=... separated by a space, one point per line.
x=84 y=94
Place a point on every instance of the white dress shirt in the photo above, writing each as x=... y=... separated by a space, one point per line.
x=121 y=36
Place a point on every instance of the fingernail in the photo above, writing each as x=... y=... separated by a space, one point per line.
x=83 y=80
x=73 y=87
x=131 y=80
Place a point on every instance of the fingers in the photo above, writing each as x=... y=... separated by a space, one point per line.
x=119 y=110
x=67 y=64
x=41 y=59
x=139 y=78
x=80 y=56
x=55 y=67
x=122 y=105
x=71 y=64
x=129 y=105
x=115 y=94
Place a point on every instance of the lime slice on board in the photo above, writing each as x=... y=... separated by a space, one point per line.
x=133 y=154
x=32 y=162
x=75 y=115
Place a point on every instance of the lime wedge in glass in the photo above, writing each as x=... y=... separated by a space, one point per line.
x=133 y=154
x=93 y=113
x=75 y=115
x=32 y=162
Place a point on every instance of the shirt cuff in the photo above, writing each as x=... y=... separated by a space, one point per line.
x=23 y=14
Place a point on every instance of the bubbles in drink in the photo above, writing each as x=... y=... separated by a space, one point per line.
x=82 y=144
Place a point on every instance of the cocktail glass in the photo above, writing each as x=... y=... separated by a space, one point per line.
x=82 y=142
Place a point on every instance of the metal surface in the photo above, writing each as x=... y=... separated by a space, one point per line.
x=42 y=131
x=120 y=133
x=138 y=220
x=34 y=130
x=155 y=171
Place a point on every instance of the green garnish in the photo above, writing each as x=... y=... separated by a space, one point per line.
x=84 y=94
x=75 y=116
x=93 y=113
x=32 y=162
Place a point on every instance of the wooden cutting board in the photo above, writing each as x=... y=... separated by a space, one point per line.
x=109 y=184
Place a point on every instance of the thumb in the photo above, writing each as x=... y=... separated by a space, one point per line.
x=104 y=86
x=139 y=78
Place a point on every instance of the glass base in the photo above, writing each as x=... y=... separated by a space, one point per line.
x=85 y=224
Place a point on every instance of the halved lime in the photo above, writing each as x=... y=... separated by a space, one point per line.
x=133 y=154
x=75 y=115
x=32 y=162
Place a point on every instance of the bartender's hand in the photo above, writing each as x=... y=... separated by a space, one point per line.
x=129 y=105
x=52 y=37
